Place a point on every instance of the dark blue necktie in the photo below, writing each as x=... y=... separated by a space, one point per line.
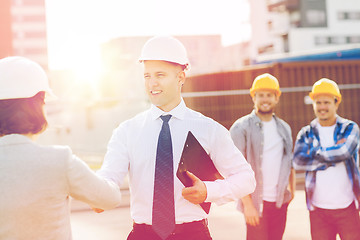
x=163 y=215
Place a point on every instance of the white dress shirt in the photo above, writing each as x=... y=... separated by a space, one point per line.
x=132 y=149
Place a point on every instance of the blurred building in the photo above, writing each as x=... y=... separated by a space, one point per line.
x=23 y=30
x=280 y=26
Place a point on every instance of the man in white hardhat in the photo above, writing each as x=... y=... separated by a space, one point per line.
x=149 y=147
x=36 y=181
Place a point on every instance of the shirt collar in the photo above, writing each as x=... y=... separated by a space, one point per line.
x=177 y=112
x=257 y=119
x=14 y=139
x=339 y=121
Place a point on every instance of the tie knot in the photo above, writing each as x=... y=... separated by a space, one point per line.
x=165 y=118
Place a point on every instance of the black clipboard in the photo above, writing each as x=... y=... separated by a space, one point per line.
x=195 y=160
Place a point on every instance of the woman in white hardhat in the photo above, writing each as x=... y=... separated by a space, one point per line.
x=36 y=181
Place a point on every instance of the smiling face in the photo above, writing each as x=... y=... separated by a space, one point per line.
x=265 y=102
x=325 y=107
x=163 y=83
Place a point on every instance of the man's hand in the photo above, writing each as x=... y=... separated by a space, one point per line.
x=197 y=193
x=251 y=215
x=341 y=141
x=292 y=184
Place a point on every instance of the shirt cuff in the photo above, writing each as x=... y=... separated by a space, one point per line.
x=212 y=189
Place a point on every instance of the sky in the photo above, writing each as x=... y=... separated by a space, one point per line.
x=76 y=28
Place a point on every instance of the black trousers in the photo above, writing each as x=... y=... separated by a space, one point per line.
x=187 y=231
x=272 y=223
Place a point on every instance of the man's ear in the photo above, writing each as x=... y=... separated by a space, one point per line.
x=277 y=98
x=337 y=103
x=182 y=77
x=253 y=98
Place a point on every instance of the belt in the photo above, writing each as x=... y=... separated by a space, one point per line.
x=179 y=228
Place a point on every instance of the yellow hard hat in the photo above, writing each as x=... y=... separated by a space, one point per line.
x=265 y=81
x=325 y=86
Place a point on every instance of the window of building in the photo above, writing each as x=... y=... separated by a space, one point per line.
x=315 y=18
x=17 y=2
x=19 y=34
x=338 y=40
x=285 y=38
x=325 y=40
x=29 y=2
x=353 y=39
x=354 y=15
x=348 y=15
x=295 y=19
x=313 y=13
x=322 y=40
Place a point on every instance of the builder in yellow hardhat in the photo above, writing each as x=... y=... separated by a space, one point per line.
x=266 y=142
x=325 y=88
x=328 y=150
x=149 y=147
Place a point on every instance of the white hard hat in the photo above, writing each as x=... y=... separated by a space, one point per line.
x=165 y=48
x=22 y=78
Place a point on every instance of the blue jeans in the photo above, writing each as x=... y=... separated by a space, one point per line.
x=272 y=223
x=327 y=223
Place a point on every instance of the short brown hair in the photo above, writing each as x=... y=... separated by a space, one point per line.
x=22 y=115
